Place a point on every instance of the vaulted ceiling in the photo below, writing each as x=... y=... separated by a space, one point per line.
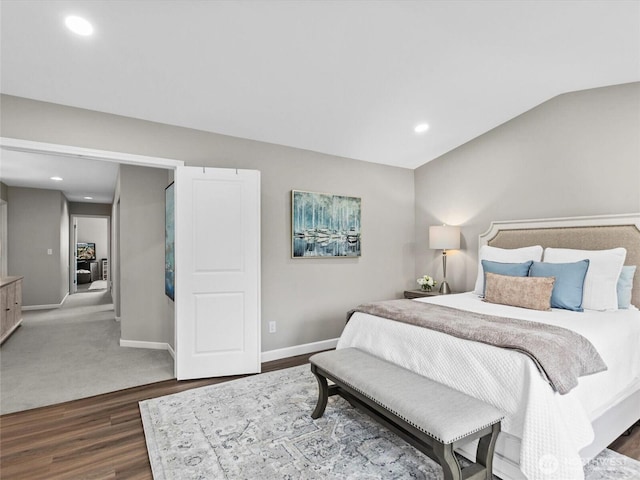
x=347 y=78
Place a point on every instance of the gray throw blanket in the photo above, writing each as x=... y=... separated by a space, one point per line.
x=561 y=355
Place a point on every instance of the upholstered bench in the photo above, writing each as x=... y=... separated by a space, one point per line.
x=430 y=416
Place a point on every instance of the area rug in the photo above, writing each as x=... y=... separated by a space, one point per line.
x=98 y=285
x=260 y=427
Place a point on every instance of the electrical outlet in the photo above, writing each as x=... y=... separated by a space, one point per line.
x=49 y=251
x=272 y=327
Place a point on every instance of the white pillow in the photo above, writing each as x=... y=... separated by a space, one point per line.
x=599 y=292
x=504 y=255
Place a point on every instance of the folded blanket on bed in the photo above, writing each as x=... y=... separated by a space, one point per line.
x=560 y=354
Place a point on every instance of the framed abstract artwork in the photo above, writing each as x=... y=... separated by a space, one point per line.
x=169 y=247
x=325 y=225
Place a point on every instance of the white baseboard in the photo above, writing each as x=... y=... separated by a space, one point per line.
x=149 y=345
x=45 y=307
x=41 y=307
x=299 y=350
x=265 y=357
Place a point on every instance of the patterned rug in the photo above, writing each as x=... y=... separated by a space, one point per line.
x=260 y=427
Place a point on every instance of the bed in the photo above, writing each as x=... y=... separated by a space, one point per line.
x=545 y=435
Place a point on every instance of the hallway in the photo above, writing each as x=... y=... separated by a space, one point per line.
x=73 y=352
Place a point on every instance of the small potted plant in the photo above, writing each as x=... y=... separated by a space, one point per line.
x=426 y=283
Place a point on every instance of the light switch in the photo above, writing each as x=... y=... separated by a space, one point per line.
x=49 y=251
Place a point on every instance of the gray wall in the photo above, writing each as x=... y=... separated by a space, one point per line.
x=3 y=191
x=38 y=221
x=307 y=298
x=576 y=154
x=142 y=299
x=81 y=208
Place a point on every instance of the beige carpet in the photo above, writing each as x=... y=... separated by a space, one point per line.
x=73 y=352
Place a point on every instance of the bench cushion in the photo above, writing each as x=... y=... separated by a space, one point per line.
x=435 y=409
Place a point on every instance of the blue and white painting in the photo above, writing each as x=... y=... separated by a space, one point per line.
x=324 y=225
x=169 y=247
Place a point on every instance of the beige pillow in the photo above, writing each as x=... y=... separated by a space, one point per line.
x=525 y=292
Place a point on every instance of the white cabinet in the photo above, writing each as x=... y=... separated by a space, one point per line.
x=105 y=269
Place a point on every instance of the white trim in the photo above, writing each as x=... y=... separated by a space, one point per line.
x=46 y=307
x=299 y=350
x=172 y=352
x=597 y=220
x=90 y=153
x=41 y=307
x=143 y=344
x=3 y=238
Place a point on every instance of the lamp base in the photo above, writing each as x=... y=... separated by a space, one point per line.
x=444 y=288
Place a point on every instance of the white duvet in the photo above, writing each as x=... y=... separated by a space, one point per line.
x=552 y=427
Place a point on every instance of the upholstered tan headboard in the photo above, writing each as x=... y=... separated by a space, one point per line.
x=585 y=233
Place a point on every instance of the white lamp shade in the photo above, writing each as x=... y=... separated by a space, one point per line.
x=444 y=237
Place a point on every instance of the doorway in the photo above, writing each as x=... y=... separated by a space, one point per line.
x=91 y=252
x=160 y=350
x=198 y=237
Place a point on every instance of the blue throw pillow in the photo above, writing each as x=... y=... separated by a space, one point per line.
x=510 y=269
x=625 y=286
x=567 y=290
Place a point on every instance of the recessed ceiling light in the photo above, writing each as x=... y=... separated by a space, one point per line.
x=88 y=198
x=421 y=128
x=57 y=179
x=78 y=25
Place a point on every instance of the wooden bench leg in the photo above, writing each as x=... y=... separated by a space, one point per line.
x=323 y=393
x=448 y=461
x=486 y=448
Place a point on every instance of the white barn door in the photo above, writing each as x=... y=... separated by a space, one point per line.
x=217 y=272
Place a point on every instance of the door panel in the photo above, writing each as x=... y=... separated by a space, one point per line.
x=218 y=232
x=217 y=289
x=213 y=335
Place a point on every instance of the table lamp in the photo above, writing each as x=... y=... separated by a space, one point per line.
x=444 y=237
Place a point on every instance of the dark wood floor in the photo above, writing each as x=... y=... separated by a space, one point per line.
x=102 y=437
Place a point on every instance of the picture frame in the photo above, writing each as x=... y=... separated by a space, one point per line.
x=85 y=251
x=169 y=239
x=325 y=225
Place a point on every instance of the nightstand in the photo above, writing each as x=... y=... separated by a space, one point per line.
x=420 y=293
